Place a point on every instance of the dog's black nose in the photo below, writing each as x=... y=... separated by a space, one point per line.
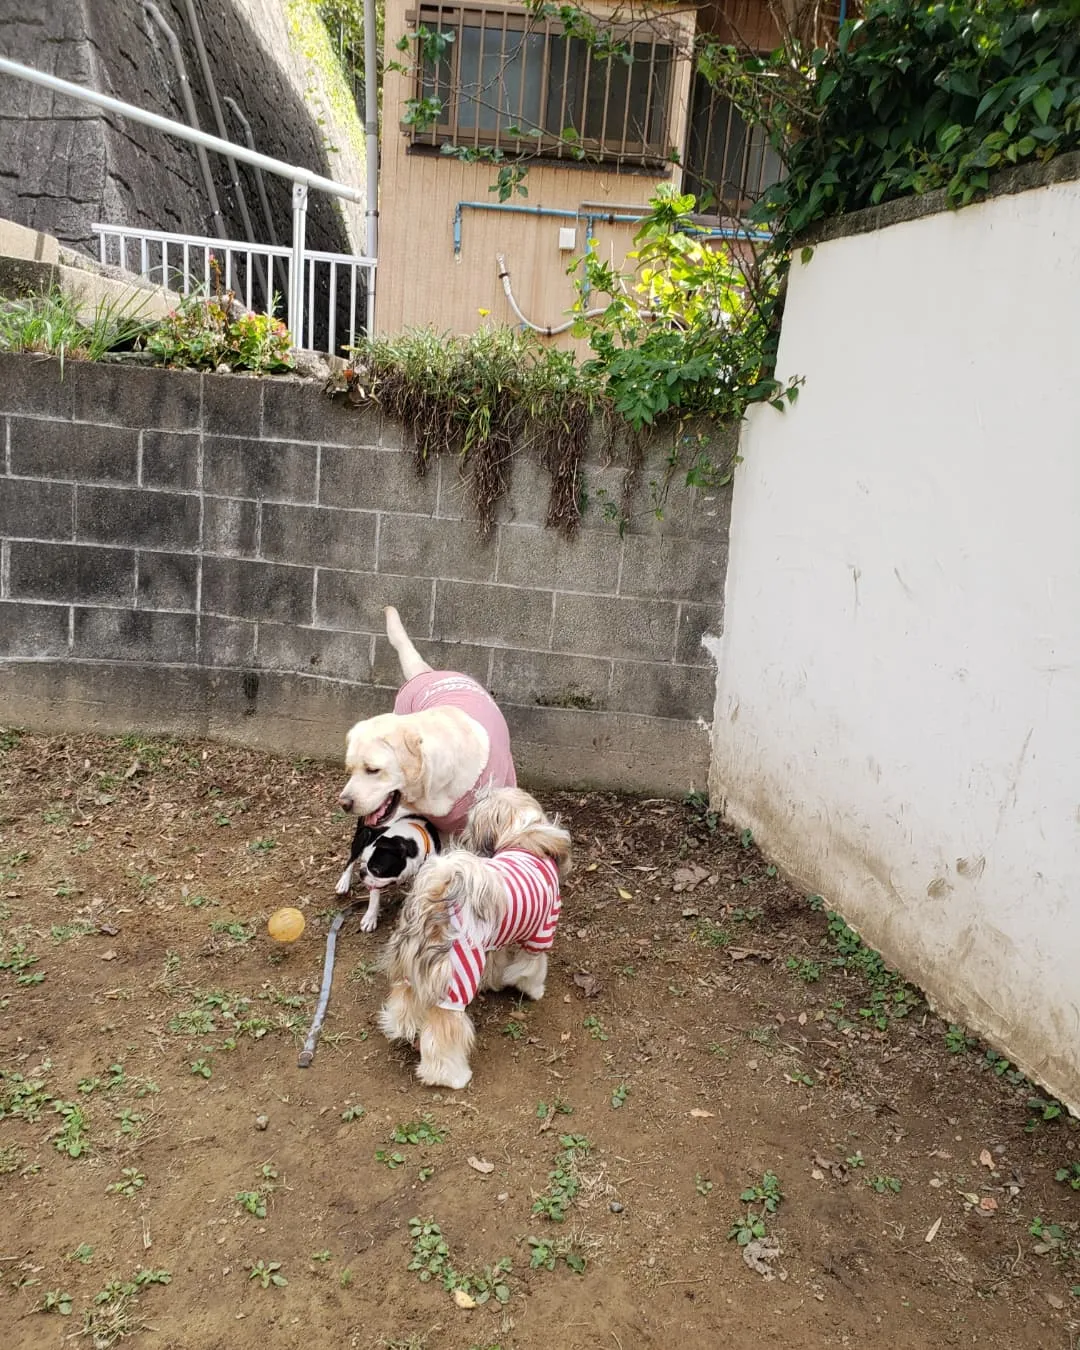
x=346 y=802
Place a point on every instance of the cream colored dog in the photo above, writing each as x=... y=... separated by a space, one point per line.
x=479 y=917
x=445 y=741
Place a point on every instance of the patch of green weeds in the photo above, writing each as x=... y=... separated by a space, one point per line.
x=856 y=1159
x=130 y=1183
x=1069 y=1176
x=199 y=901
x=201 y=1068
x=9 y=739
x=71 y=1136
x=253 y=1202
x=884 y=1185
x=18 y=960
x=83 y=1253
x=619 y=1096
x=545 y=1253
x=594 y=1027
x=957 y=1039
x=57 y=1301
x=702 y=1185
x=563 y=1179
x=352 y=1113
x=323 y=1256
x=425 y=1173
x=262 y=846
x=749 y=1226
x=698 y=805
x=24 y=1098
x=431 y=1260
x=115 y=1077
x=807 y=971
x=11 y=1159
x=113 y=1316
x=364 y=972
x=1001 y=1067
x=712 y=934
x=423 y=1131
x=1044 y=1110
x=891 y=997
x=768 y=1193
x=267 y=1273
x=240 y=933
x=64 y=932
x=545 y=1110
x=515 y=1031
x=131 y=1123
x=392 y=1159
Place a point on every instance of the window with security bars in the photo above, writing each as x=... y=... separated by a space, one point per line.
x=727 y=164
x=513 y=82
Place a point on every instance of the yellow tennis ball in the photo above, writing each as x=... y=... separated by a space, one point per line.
x=285 y=925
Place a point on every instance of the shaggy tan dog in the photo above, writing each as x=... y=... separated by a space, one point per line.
x=474 y=922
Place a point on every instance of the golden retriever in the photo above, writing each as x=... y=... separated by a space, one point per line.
x=444 y=742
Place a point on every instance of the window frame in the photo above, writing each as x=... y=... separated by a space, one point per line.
x=604 y=149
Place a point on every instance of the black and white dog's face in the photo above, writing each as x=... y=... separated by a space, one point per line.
x=388 y=855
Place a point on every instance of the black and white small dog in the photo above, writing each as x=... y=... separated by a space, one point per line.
x=388 y=855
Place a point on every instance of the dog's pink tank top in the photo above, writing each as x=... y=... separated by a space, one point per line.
x=446 y=689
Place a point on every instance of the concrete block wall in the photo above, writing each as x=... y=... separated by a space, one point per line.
x=212 y=554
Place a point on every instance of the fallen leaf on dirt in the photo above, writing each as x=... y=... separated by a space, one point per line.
x=699 y=1114
x=108 y=929
x=132 y=769
x=988 y=1203
x=480 y=1164
x=933 y=1231
x=742 y=953
x=589 y=985
x=623 y=894
x=817 y=1174
x=1055 y=1301
x=986 y=1159
x=592 y=867
x=936 y=1182
x=564 y=1036
x=759 y=1255
x=690 y=913
x=110 y=955
x=802 y=1019
x=463 y=1300
x=686 y=878
x=969 y=1198
x=836 y=1170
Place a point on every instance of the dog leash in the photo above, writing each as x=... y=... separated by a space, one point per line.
x=308 y=1053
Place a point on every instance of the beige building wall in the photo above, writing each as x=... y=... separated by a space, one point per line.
x=421 y=281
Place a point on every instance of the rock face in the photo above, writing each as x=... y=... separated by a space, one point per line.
x=65 y=164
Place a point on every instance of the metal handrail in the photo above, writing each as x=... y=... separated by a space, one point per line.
x=301 y=179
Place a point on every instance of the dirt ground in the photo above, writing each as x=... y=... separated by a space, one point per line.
x=168 y=1173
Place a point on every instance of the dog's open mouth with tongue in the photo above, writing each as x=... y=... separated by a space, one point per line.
x=383 y=813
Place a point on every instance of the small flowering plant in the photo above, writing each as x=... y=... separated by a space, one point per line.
x=208 y=333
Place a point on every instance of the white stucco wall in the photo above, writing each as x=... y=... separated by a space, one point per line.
x=898 y=701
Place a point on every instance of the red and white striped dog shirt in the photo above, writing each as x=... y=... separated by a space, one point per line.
x=529 y=922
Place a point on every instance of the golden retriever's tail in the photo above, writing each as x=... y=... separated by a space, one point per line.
x=412 y=663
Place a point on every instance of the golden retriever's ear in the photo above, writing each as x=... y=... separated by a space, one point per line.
x=412 y=762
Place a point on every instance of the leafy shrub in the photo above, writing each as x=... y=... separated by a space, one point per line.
x=207 y=333
x=690 y=331
x=915 y=97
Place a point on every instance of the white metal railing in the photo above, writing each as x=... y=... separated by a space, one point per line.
x=298 y=270
x=334 y=286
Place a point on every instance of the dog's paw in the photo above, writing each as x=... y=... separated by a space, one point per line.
x=344 y=881
x=369 y=922
x=444 y=1076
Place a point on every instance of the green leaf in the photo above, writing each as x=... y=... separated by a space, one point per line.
x=1042 y=103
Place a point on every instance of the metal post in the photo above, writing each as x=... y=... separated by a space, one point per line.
x=296 y=264
x=371 y=133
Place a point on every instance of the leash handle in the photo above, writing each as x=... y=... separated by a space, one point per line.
x=308 y=1053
